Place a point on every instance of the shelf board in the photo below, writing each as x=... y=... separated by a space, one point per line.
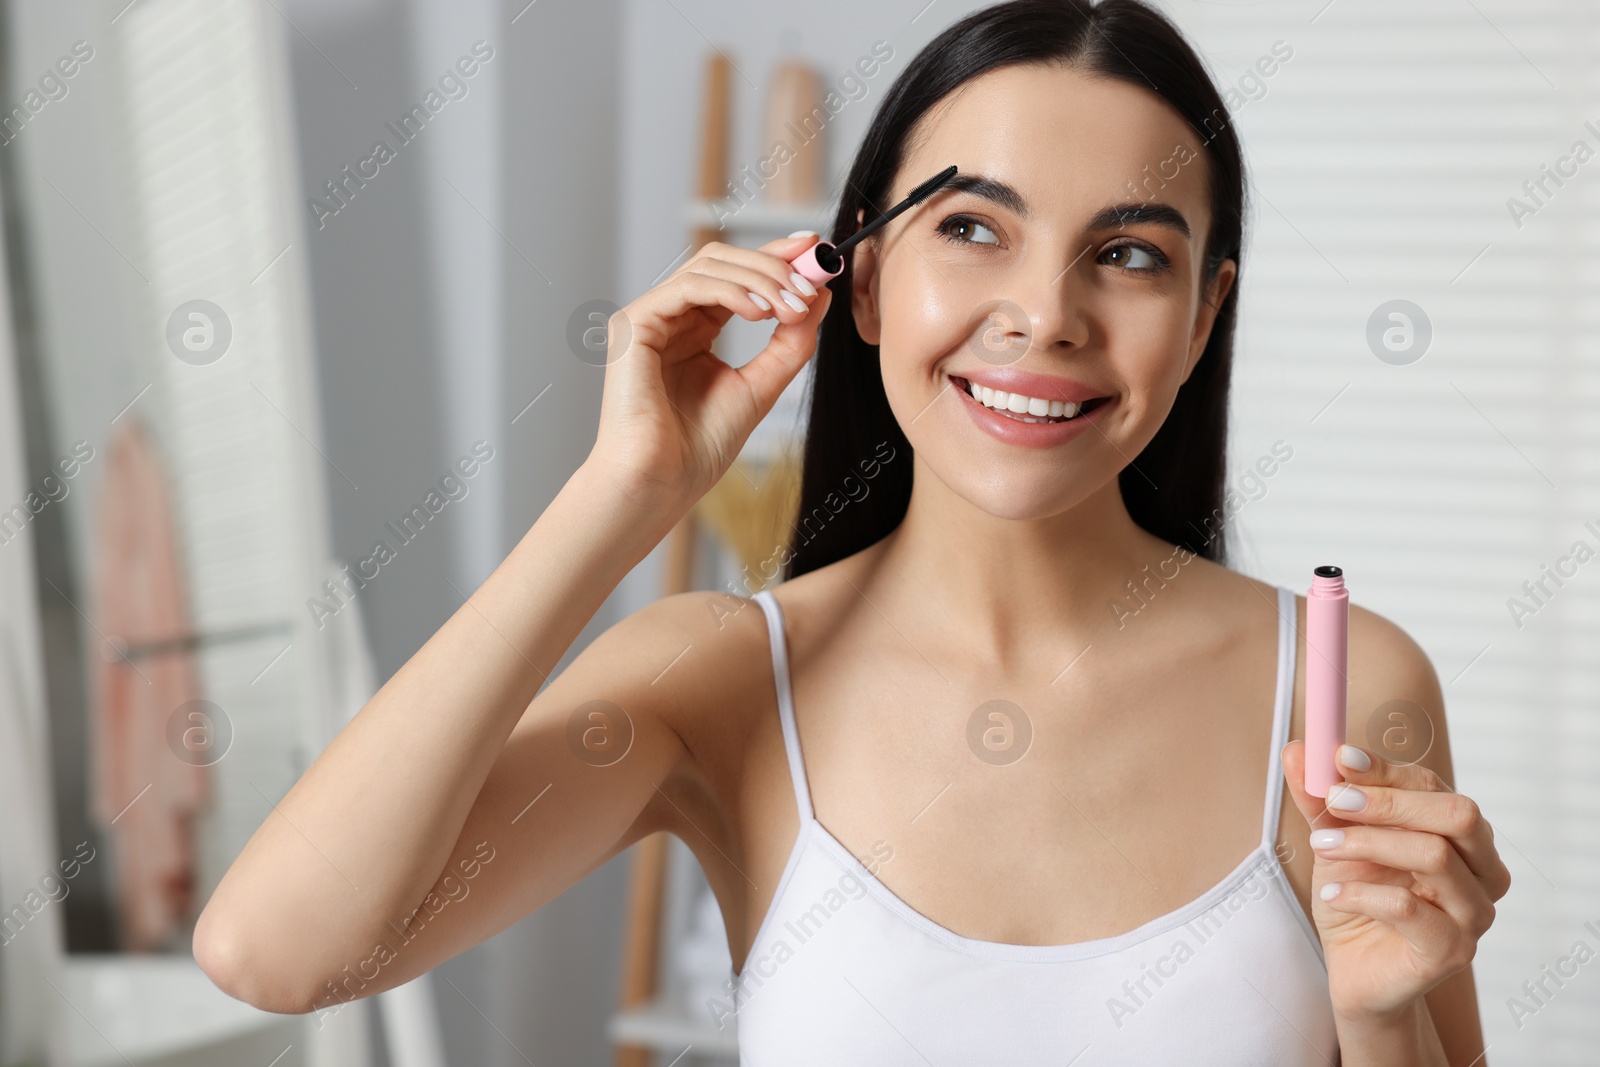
x=754 y=217
x=147 y=1008
x=665 y=1024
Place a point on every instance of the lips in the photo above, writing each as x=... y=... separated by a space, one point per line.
x=1060 y=420
x=1046 y=405
x=1029 y=408
x=1041 y=386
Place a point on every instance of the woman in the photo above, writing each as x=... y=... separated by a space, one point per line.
x=974 y=783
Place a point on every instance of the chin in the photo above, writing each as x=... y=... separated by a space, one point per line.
x=1020 y=495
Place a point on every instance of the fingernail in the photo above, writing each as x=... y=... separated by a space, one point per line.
x=801 y=284
x=792 y=300
x=1327 y=838
x=1354 y=758
x=804 y=233
x=1330 y=891
x=1343 y=797
x=759 y=302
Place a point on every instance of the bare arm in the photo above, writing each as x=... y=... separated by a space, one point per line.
x=417 y=814
x=1453 y=1003
x=388 y=808
x=1418 y=730
x=1413 y=880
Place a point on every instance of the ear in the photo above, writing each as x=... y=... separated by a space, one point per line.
x=864 y=287
x=1210 y=302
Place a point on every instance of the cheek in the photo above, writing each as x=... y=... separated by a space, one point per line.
x=1149 y=348
x=927 y=319
x=921 y=323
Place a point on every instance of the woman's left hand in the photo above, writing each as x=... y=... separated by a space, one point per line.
x=1403 y=883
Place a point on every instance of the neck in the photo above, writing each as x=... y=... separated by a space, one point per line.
x=1060 y=578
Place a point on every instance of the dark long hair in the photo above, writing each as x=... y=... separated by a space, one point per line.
x=1174 y=488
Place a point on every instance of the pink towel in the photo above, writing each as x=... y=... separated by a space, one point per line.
x=139 y=598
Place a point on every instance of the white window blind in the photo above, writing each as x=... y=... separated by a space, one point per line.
x=1382 y=154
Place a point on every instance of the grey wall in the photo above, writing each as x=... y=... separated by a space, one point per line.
x=373 y=316
x=556 y=974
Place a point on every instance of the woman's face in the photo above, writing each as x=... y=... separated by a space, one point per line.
x=1029 y=285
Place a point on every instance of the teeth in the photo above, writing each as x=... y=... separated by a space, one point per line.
x=1018 y=404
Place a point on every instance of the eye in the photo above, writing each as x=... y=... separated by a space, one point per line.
x=1139 y=259
x=963 y=230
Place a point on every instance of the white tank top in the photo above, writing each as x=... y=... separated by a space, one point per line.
x=842 y=971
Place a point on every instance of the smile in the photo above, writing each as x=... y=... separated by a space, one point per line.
x=1022 y=408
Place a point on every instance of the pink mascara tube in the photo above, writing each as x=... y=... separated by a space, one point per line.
x=1327 y=648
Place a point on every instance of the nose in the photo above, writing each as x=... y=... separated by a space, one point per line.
x=1042 y=306
x=1052 y=293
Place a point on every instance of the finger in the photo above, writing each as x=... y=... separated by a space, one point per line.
x=1314 y=809
x=1442 y=877
x=1367 y=767
x=771 y=259
x=774 y=265
x=1363 y=767
x=683 y=293
x=1432 y=933
x=775 y=366
x=1450 y=815
x=787 y=304
x=786 y=248
x=1315 y=812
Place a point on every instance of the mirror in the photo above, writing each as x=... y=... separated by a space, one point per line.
x=177 y=519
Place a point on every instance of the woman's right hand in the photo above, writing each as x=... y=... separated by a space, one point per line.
x=673 y=415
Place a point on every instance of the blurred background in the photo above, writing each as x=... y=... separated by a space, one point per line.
x=279 y=273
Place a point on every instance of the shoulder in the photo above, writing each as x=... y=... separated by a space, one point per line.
x=1389 y=654
x=699 y=615
x=1395 y=702
x=821 y=600
x=699 y=661
x=688 y=643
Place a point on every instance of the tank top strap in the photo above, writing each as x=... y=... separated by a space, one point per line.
x=780 y=677
x=1283 y=708
x=1282 y=712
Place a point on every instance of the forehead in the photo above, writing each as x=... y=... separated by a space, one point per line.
x=1069 y=142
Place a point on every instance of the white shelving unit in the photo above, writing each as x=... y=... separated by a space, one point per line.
x=679 y=1030
x=670 y=1027
x=757 y=217
x=162 y=1011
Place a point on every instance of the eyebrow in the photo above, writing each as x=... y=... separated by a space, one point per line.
x=1128 y=214
x=991 y=189
x=1133 y=214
